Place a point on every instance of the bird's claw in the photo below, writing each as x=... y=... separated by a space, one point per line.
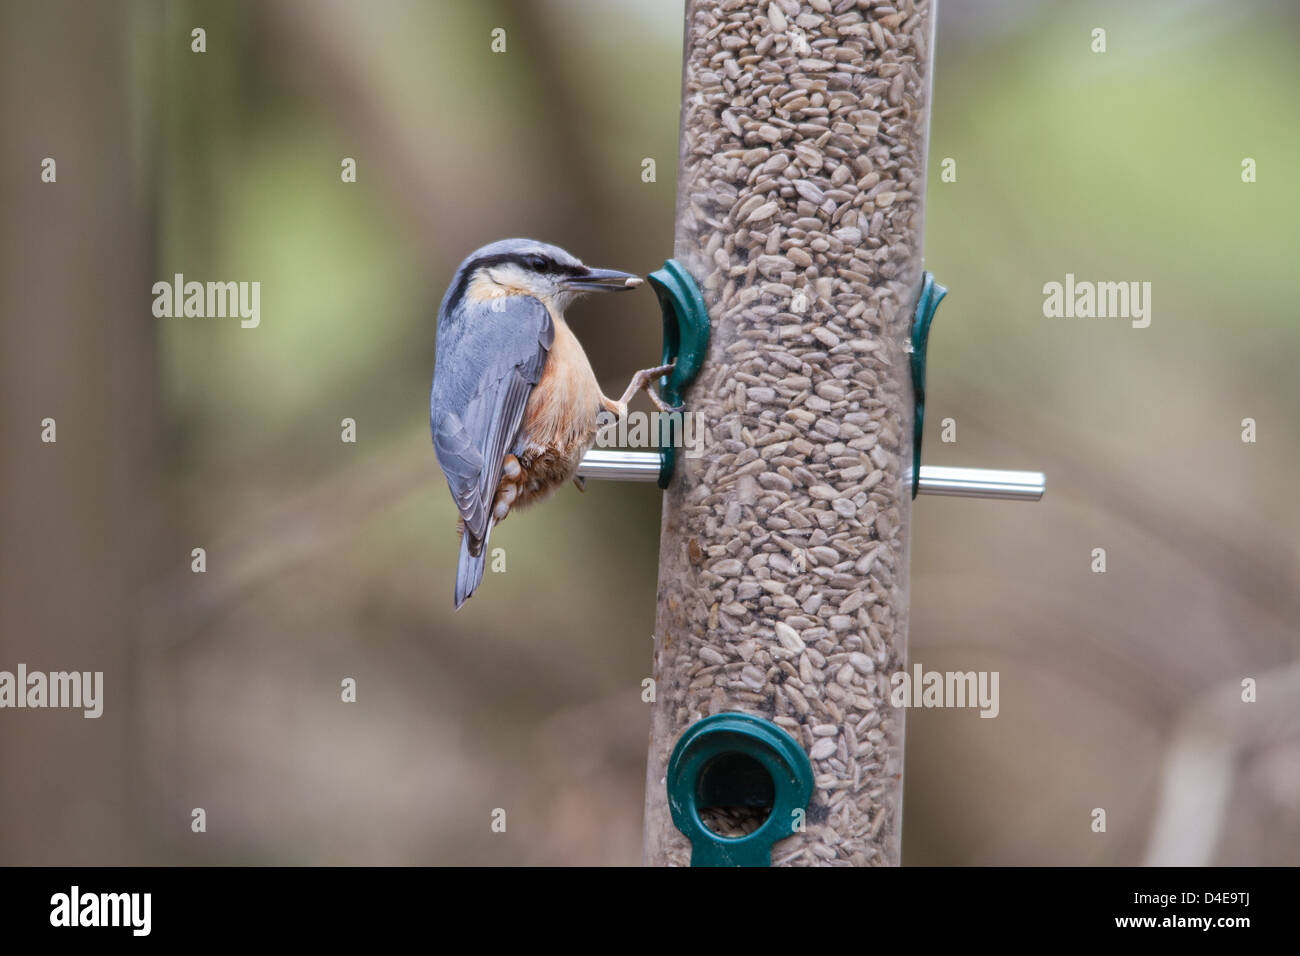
x=663 y=406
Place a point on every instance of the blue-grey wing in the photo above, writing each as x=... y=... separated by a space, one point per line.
x=489 y=357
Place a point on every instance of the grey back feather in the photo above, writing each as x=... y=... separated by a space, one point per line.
x=489 y=357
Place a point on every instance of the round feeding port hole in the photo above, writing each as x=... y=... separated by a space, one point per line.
x=736 y=784
x=734 y=794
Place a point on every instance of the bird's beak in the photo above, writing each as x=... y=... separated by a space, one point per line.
x=604 y=280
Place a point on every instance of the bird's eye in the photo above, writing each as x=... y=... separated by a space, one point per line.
x=537 y=263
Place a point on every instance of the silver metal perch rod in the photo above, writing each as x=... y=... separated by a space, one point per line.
x=935 y=480
x=982 y=483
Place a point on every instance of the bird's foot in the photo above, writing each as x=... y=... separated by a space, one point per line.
x=642 y=380
x=512 y=474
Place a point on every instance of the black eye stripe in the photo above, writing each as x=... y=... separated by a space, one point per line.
x=546 y=265
x=536 y=262
x=561 y=269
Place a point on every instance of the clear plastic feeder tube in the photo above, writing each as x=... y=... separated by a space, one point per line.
x=783 y=577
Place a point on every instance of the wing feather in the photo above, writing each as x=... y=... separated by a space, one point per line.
x=489 y=358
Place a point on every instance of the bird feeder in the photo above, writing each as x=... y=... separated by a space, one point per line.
x=798 y=311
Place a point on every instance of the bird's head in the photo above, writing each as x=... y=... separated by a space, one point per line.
x=527 y=267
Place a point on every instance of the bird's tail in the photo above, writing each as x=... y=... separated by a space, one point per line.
x=469 y=569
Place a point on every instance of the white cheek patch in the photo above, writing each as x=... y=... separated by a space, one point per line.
x=513 y=280
x=483 y=289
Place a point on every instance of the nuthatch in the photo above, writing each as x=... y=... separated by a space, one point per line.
x=515 y=404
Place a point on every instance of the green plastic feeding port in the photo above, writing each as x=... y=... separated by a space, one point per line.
x=927 y=303
x=686 y=340
x=737 y=760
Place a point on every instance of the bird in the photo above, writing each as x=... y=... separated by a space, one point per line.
x=515 y=404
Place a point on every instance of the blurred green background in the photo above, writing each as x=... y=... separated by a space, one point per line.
x=329 y=560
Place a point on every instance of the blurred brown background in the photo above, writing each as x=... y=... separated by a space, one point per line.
x=329 y=560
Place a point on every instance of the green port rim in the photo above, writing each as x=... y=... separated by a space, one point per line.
x=927 y=303
x=686 y=340
x=690 y=788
